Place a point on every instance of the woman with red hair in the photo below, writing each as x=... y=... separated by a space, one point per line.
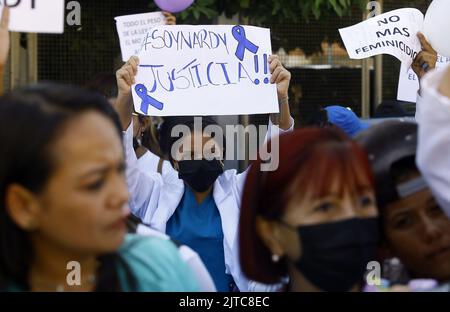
x=314 y=219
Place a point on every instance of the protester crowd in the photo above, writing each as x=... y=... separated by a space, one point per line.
x=86 y=180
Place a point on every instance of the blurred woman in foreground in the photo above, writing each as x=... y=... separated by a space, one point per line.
x=63 y=200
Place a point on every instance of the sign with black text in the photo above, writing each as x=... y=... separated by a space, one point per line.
x=36 y=16
x=393 y=33
x=205 y=70
x=132 y=30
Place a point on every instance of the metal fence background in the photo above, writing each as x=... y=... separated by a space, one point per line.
x=312 y=50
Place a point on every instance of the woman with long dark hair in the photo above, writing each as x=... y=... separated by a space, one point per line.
x=63 y=200
x=196 y=201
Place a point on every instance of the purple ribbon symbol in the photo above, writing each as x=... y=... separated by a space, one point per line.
x=243 y=43
x=147 y=100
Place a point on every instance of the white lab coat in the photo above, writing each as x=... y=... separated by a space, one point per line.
x=433 y=154
x=149 y=163
x=154 y=199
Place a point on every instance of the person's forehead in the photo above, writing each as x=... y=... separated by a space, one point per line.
x=88 y=137
x=196 y=135
x=413 y=203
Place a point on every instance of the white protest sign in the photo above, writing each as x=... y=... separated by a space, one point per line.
x=205 y=70
x=393 y=33
x=35 y=16
x=408 y=83
x=132 y=30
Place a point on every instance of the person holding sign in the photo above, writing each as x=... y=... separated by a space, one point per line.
x=426 y=60
x=170 y=18
x=409 y=80
x=4 y=44
x=199 y=207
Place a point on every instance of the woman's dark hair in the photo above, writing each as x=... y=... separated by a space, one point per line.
x=166 y=140
x=310 y=161
x=318 y=118
x=30 y=122
x=150 y=137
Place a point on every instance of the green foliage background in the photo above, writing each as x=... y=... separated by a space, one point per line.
x=261 y=12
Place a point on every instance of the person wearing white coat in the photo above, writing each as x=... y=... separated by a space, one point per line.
x=155 y=199
x=433 y=117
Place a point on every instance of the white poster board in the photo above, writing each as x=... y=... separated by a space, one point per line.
x=132 y=30
x=36 y=16
x=205 y=70
x=393 y=33
x=408 y=83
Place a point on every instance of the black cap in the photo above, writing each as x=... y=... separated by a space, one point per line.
x=386 y=144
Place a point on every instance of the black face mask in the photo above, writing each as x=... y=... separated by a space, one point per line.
x=335 y=255
x=199 y=174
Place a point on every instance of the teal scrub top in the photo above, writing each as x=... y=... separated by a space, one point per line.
x=155 y=265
